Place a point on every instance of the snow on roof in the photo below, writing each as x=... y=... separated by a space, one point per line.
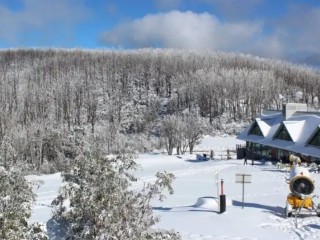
x=271 y=114
x=264 y=126
x=294 y=128
x=311 y=124
x=300 y=128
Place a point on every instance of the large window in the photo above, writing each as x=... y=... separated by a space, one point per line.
x=283 y=134
x=255 y=129
x=282 y=154
x=258 y=151
x=315 y=139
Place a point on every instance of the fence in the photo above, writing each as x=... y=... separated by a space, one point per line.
x=241 y=151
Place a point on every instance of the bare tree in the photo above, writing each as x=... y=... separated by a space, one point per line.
x=169 y=132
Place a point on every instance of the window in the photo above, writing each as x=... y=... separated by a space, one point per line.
x=255 y=129
x=315 y=139
x=283 y=134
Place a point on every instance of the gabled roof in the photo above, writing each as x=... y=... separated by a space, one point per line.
x=282 y=133
x=301 y=129
x=255 y=129
x=264 y=126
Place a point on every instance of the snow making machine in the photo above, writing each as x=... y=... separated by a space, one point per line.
x=302 y=194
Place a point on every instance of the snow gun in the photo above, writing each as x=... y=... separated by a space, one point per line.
x=302 y=188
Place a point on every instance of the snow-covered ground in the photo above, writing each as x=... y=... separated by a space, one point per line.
x=193 y=210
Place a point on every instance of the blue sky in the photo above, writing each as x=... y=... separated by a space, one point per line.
x=268 y=28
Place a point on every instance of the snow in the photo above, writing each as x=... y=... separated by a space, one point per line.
x=193 y=209
x=263 y=125
x=294 y=128
x=47 y=191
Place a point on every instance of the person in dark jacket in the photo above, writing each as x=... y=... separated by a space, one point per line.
x=245 y=157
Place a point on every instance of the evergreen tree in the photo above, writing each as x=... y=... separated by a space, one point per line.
x=103 y=205
x=16 y=199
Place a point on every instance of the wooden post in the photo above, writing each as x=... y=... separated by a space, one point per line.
x=211 y=154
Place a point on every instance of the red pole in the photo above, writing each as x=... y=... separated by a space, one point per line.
x=221 y=186
x=222 y=199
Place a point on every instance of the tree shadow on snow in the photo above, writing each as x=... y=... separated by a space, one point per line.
x=171 y=209
x=199 y=206
x=195 y=160
x=191 y=208
x=203 y=210
x=276 y=210
x=162 y=208
x=57 y=229
x=275 y=170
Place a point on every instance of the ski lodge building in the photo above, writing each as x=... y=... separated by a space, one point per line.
x=277 y=134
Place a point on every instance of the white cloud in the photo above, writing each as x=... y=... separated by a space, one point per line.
x=297 y=33
x=299 y=30
x=40 y=17
x=185 y=30
x=294 y=36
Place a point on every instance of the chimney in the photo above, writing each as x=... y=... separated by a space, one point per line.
x=289 y=109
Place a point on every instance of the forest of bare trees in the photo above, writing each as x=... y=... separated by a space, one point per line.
x=54 y=102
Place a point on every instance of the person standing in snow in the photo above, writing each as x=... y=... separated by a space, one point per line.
x=245 y=157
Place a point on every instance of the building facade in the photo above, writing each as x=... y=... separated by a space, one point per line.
x=277 y=134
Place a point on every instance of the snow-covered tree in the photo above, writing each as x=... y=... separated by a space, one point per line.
x=16 y=199
x=194 y=131
x=103 y=206
x=182 y=131
x=169 y=130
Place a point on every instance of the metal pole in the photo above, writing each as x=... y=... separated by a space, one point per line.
x=221 y=186
x=217 y=182
x=243 y=191
x=222 y=199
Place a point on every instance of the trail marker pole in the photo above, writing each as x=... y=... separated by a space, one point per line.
x=222 y=199
x=243 y=178
x=242 y=191
x=217 y=182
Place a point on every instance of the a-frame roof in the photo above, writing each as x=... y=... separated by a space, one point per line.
x=294 y=128
x=255 y=129
x=301 y=128
x=282 y=133
x=264 y=126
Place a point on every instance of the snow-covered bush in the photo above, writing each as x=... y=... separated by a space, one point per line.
x=102 y=205
x=8 y=155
